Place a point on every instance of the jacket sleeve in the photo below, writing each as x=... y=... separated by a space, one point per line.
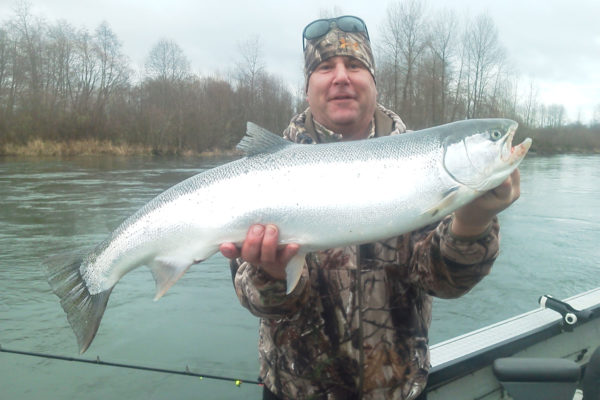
x=264 y=296
x=448 y=266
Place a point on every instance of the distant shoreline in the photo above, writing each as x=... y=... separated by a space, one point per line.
x=89 y=147
x=545 y=153
x=95 y=147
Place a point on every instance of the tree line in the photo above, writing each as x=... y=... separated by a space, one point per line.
x=434 y=67
x=437 y=67
x=62 y=83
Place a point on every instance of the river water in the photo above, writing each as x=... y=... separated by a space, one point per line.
x=549 y=246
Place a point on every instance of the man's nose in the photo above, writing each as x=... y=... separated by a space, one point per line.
x=340 y=74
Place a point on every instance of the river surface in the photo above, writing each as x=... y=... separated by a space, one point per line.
x=550 y=245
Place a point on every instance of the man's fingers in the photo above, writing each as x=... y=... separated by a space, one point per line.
x=516 y=183
x=503 y=190
x=510 y=189
x=252 y=245
x=289 y=252
x=262 y=249
x=229 y=250
x=268 y=251
x=516 y=176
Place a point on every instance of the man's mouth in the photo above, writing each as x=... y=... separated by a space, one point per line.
x=341 y=97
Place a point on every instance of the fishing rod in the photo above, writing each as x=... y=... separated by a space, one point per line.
x=238 y=382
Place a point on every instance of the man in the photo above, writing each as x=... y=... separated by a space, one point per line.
x=356 y=325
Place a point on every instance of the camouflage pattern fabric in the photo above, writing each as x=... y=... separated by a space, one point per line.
x=338 y=43
x=304 y=129
x=356 y=326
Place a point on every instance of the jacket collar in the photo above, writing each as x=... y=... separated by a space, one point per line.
x=383 y=126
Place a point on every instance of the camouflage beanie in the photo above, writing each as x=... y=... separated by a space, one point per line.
x=337 y=43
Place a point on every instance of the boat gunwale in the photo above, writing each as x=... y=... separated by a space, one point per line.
x=449 y=363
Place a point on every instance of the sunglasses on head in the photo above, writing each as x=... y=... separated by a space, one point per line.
x=320 y=27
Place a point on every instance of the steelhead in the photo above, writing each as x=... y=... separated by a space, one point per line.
x=399 y=183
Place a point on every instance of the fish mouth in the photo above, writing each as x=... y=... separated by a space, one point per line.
x=514 y=154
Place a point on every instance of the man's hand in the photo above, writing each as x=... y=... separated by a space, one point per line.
x=260 y=248
x=474 y=218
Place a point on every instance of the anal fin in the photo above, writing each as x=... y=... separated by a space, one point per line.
x=293 y=272
x=167 y=271
x=168 y=268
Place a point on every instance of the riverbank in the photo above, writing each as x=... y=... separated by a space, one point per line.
x=89 y=147
x=533 y=152
x=86 y=147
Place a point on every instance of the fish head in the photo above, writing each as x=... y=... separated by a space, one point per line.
x=479 y=153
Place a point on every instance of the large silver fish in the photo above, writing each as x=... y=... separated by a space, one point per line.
x=320 y=196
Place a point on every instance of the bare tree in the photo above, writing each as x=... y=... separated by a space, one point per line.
x=86 y=69
x=4 y=82
x=458 y=102
x=404 y=39
x=15 y=81
x=113 y=73
x=248 y=72
x=4 y=67
x=530 y=104
x=389 y=75
x=113 y=64
x=506 y=93
x=250 y=65
x=167 y=61
x=484 y=55
x=442 y=43
x=556 y=115
x=59 y=55
x=596 y=115
x=30 y=45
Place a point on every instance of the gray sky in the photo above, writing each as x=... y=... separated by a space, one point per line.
x=555 y=43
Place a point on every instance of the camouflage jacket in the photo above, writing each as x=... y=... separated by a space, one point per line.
x=356 y=326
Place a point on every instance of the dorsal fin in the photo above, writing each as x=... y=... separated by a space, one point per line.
x=259 y=140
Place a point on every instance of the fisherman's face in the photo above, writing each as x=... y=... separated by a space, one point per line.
x=342 y=95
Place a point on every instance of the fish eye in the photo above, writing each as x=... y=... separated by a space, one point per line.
x=495 y=135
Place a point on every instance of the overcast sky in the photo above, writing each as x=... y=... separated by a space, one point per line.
x=555 y=43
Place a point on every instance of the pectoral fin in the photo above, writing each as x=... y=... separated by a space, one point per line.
x=447 y=200
x=294 y=271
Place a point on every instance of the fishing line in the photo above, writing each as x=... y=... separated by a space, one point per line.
x=187 y=372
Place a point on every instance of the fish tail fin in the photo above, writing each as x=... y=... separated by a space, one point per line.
x=84 y=310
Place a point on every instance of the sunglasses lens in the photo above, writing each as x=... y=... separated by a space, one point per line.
x=351 y=24
x=316 y=29
x=346 y=23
